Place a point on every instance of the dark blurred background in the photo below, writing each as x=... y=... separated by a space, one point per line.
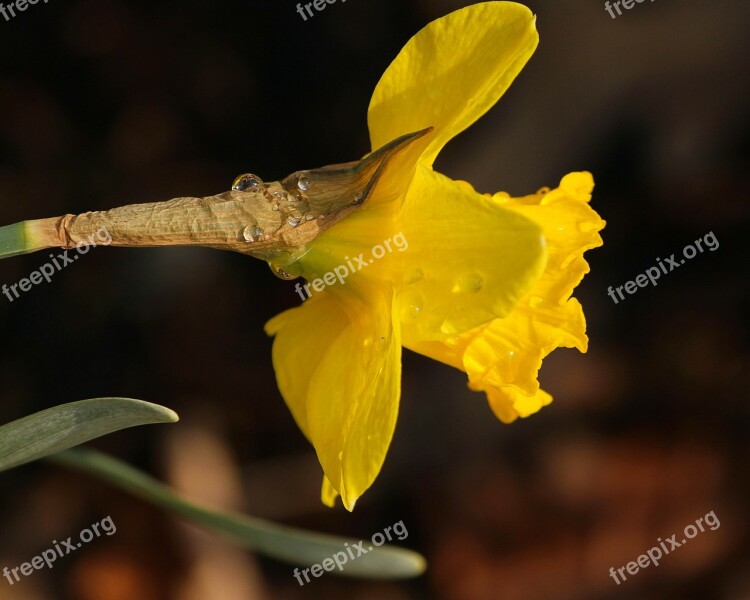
x=108 y=102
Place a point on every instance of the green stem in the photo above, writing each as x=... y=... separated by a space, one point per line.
x=13 y=240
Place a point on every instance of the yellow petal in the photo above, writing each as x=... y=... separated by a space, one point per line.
x=503 y=357
x=303 y=335
x=468 y=262
x=338 y=364
x=450 y=73
x=353 y=398
x=328 y=493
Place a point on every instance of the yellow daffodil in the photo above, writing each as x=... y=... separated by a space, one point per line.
x=484 y=284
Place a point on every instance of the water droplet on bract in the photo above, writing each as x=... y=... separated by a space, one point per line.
x=304 y=183
x=293 y=221
x=252 y=233
x=358 y=197
x=413 y=276
x=248 y=183
x=309 y=217
x=287 y=272
x=468 y=283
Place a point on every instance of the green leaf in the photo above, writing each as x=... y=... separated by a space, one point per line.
x=65 y=426
x=287 y=544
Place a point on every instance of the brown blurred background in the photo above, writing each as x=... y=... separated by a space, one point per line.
x=108 y=102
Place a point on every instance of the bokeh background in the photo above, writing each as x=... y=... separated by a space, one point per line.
x=108 y=102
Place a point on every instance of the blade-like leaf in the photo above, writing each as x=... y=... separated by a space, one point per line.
x=284 y=543
x=62 y=427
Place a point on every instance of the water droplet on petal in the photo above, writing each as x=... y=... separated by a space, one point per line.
x=468 y=283
x=536 y=301
x=248 y=183
x=304 y=183
x=448 y=328
x=293 y=221
x=413 y=276
x=410 y=307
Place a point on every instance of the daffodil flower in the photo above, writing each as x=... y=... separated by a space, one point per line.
x=485 y=285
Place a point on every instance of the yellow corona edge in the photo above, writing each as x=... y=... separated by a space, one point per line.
x=484 y=284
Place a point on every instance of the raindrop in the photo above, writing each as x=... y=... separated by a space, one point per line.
x=293 y=221
x=290 y=271
x=252 y=233
x=414 y=276
x=410 y=307
x=535 y=301
x=248 y=183
x=309 y=217
x=358 y=197
x=304 y=183
x=447 y=327
x=468 y=283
